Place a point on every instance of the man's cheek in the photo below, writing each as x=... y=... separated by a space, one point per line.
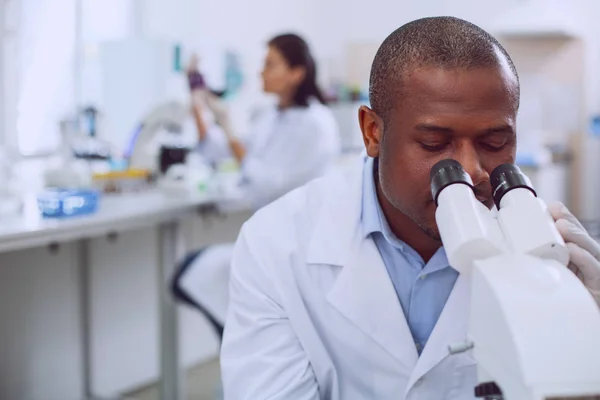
x=422 y=169
x=430 y=209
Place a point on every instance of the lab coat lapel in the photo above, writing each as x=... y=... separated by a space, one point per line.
x=364 y=293
x=452 y=327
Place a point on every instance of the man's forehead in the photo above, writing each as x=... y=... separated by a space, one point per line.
x=436 y=94
x=424 y=73
x=429 y=83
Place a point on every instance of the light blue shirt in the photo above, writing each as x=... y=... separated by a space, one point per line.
x=422 y=289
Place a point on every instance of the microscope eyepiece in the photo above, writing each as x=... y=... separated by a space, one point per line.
x=445 y=173
x=505 y=178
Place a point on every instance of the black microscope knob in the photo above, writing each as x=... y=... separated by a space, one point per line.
x=488 y=389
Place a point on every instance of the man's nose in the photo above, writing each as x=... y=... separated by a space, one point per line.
x=470 y=160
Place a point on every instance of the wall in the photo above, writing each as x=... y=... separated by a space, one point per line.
x=101 y=20
x=45 y=74
x=244 y=26
x=590 y=145
x=330 y=27
x=354 y=21
x=208 y=28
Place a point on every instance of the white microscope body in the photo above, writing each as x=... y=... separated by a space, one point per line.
x=534 y=328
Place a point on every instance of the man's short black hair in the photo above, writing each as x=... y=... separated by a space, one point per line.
x=444 y=42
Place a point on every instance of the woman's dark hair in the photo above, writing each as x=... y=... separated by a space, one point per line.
x=297 y=54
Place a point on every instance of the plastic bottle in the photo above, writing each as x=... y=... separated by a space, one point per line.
x=233 y=75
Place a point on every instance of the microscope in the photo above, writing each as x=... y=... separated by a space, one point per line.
x=534 y=329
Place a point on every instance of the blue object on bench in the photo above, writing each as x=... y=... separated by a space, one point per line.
x=60 y=203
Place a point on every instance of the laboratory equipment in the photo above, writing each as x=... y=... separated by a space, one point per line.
x=142 y=151
x=68 y=173
x=233 y=75
x=171 y=155
x=81 y=153
x=125 y=181
x=137 y=75
x=58 y=203
x=194 y=177
x=80 y=135
x=90 y=117
x=160 y=141
x=160 y=146
x=534 y=328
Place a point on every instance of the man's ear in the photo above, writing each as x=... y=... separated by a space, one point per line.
x=371 y=126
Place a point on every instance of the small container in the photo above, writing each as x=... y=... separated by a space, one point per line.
x=60 y=203
x=126 y=181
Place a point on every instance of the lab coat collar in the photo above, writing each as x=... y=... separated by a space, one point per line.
x=363 y=291
x=338 y=216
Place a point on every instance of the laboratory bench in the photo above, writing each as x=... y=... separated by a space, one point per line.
x=85 y=304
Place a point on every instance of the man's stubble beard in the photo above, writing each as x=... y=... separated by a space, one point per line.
x=431 y=232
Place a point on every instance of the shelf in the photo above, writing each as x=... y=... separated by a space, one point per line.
x=541 y=20
x=536 y=34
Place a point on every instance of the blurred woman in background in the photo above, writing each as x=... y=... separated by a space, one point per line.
x=289 y=144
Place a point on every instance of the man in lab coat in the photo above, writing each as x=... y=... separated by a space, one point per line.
x=342 y=289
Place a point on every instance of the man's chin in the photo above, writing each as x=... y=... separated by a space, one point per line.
x=431 y=230
x=433 y=233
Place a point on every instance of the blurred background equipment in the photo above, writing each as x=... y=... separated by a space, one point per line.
x=81 y=153
x=163 y=124
x=61 y=203
x=126 y=181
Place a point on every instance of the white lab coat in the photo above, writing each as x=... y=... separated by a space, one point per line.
x=286 y=149
x=313 y=313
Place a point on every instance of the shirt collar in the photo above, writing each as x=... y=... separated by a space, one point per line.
x=370 y=205
x=373 y=220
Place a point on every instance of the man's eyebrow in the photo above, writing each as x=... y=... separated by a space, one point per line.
x=505 y=128
x=434 y=128
x=498 y=129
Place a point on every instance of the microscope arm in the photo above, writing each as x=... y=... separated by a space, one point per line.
x=172 y=112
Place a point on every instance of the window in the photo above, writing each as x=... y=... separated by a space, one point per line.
x=41 y=72
x=8 y=70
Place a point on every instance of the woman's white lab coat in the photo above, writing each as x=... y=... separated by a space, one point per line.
x=284 y=150
x=314 y=315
